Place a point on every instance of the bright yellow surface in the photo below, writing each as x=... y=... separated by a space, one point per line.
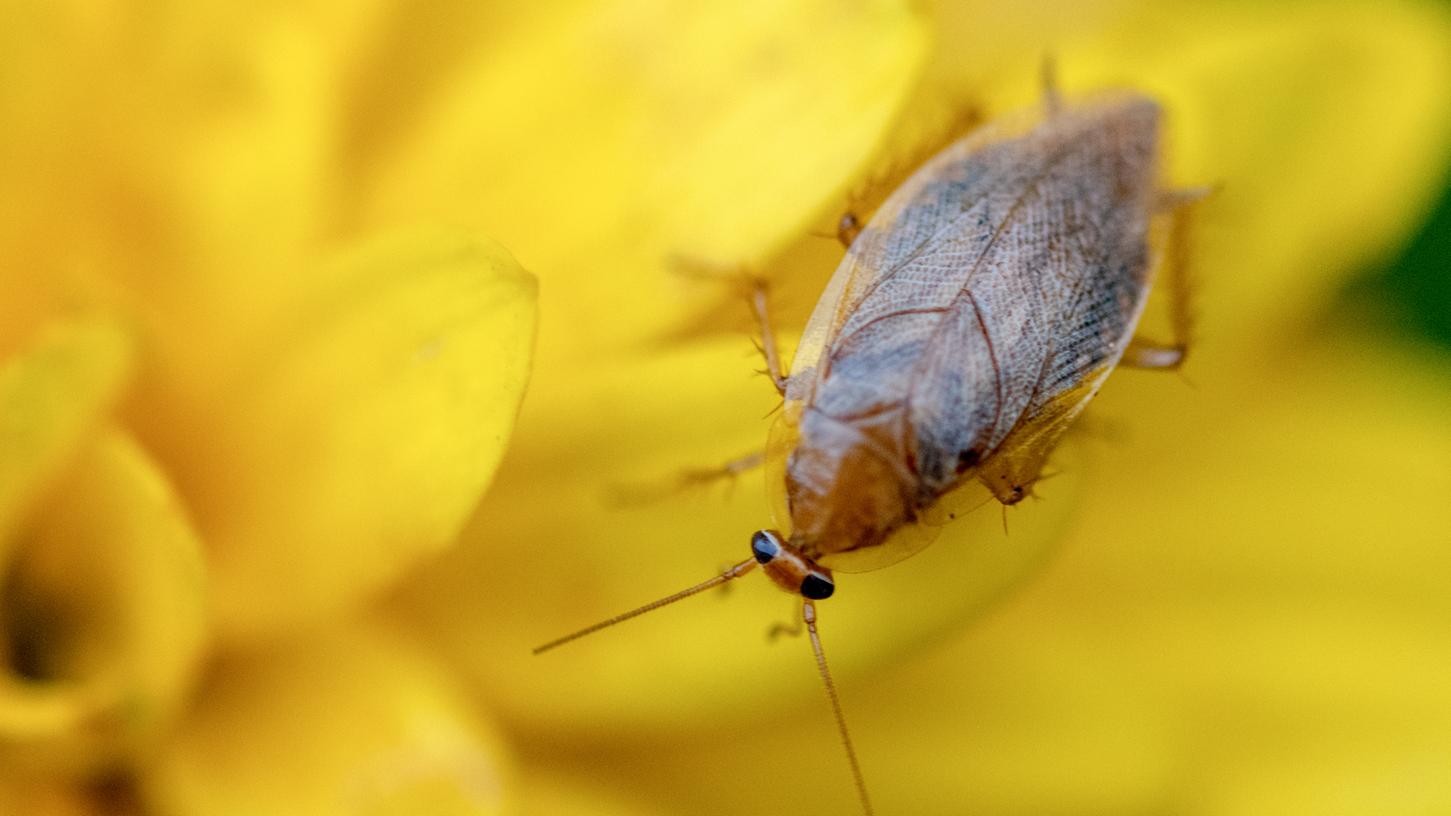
x=279 y=523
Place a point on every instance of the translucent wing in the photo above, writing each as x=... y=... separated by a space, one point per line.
x=905 y=225
x=972 y=318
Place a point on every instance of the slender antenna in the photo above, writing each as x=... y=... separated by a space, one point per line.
x=734 y=572
x=808 y=614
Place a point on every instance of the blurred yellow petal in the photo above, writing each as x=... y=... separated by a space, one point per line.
x=555 y=547
x=601 y=138
x=54 y=393
x=549 y=794
x=367 y=444
x=172 y=162
x=56 y=170
x=1333 y=456
x=1292 y=702
x=101 y=612
x=35 y=798
x=354 y=720
x=244 y=165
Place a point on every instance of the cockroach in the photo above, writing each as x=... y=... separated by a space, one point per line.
x=971 y=321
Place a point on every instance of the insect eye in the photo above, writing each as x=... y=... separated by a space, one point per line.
x=765 y=545
x=817 y=587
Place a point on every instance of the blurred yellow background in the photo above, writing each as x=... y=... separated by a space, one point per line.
x=330 y=333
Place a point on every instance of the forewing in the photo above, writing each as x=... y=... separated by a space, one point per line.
x=930 y=204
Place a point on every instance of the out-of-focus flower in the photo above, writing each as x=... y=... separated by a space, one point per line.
x=103 y=603
x=256 y=231
x=359 y=723
x=223 y=418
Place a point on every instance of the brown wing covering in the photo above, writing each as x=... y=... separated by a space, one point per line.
x=1001 y=279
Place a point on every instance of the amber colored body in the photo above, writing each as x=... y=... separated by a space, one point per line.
x=972 y=319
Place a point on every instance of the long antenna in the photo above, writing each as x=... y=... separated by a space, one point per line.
x=734 y=572
x=808 y=614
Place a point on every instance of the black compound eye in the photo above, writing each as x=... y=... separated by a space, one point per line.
x=765 y=546
x=817 y=587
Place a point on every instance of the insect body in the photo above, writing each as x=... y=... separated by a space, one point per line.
x=971 y=321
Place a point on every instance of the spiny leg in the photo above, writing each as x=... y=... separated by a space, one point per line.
x=756 y=290
x=1018 y=464
x=691 y=477
x=760 y=305
x=870 y=193
x=645 y=493
x=1148 y=354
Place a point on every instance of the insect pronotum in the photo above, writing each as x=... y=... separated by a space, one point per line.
x=972 y=319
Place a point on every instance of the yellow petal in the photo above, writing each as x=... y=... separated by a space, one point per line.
x=103 y=613
x=247 y=178
x=1331 y=460
x=60 y=180
x=599 y=139
x=354 y=720
x=548 y=793
x=370 y=433
x=42 y=798
x=175 y=162
x=53 y=394
x=556 y=547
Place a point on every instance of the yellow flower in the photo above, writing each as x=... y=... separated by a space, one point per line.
x=225 y=420
x=259 y=363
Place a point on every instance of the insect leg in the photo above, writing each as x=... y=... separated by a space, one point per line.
x=1177 y=199
x=1147 y=354
x=630 y=495
x=1052 y=96
x=1150 y=356
x=1018 y=464
x=756 y=290
x=864 y=200
x=779 y=629
x=760 y=304
x=729 y=470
